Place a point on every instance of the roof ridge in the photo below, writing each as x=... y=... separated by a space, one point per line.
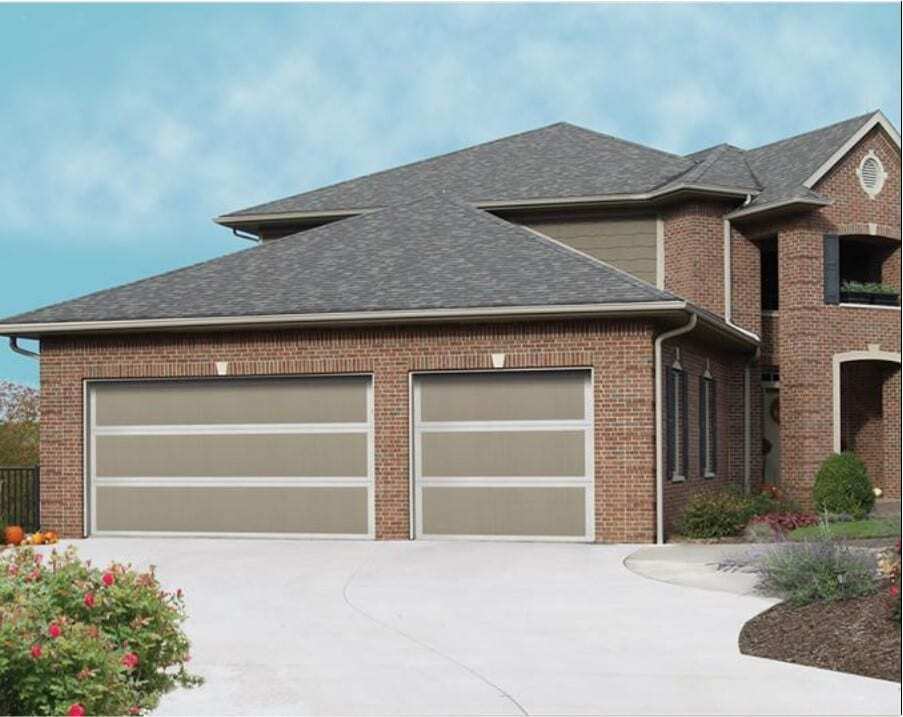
x=864 y=118
x=621 y=140
x=406 y=165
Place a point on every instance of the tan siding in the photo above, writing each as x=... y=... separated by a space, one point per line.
x=629 y=244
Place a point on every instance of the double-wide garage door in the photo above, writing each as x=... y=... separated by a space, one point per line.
x=504 y=455
x=232 y=456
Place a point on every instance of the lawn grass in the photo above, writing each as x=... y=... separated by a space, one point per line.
x=868 y=528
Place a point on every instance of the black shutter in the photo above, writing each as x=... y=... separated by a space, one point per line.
x=685 y=425
x=713 y=408
x=669 y=422
x=832 y=269
x=703 y=410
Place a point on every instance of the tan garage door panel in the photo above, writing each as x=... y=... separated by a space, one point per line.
x=287 y=400
x=532 y=395
x=533 y=512
x=254 y=455
x=503 y=453
x=233 y=510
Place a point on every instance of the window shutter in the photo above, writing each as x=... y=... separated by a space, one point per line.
x=703 y=409
x=669 y=420
x=713 y=407
x=832 y=269
x=685 y=425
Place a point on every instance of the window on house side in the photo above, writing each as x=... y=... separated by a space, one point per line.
x=769 y=274
x=707 y=427
x=677 y=424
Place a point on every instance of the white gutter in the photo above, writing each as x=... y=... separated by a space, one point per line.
x=344 y=317
x=539 y=203
x=750 y=211
x=659 y=438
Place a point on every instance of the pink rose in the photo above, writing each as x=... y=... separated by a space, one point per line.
x=130 y=660
x=76 y=710
x=89 y=600
x=36 y=650
x=108 y=579
x=55 y=630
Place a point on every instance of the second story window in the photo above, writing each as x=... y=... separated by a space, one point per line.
x=708 y=426
x=856 y=271
x=676 y=416
x=769 y=274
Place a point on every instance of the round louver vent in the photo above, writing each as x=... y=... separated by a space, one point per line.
x=871 y=174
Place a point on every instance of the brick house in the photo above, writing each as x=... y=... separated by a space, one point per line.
x=557 y=335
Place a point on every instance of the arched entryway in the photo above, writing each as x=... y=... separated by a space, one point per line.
x=867 y=412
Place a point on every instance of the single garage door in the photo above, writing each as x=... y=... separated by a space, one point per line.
x=285 y=456
x=503 y=455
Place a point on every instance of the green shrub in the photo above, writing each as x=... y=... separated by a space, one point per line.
x=842 y=485
x=715 y=515
x=817 y=570
x=76 y=637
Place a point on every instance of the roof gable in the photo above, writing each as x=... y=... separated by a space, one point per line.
x=433 y=253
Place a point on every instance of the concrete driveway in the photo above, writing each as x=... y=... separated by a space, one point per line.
x=359 y=628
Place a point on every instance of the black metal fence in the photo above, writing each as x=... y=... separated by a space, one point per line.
x=20 y=496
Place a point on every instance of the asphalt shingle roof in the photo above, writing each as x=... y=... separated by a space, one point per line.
x=432 y=253
x=560 y=160
x=563 y=161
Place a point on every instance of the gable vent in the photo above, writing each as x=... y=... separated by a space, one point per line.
x=871 y=174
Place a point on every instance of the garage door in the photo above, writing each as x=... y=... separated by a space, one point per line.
x=287 y=456
x=503 y=455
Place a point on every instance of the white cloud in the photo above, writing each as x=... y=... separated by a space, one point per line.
x=307 y=105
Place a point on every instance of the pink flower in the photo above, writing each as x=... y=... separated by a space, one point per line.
x=76 y=710
x=54 y=630
x=36 y=650
x=134 y=710
x=13 y=569
x=89 y=600
x=38 y=557
x=130 y=660
x=894 y=591
x=108 y=579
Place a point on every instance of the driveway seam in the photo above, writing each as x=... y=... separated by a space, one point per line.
x=420 y=643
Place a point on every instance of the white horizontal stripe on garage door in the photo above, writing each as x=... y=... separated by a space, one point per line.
x=258 y=484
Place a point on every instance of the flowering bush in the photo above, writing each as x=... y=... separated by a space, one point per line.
x=76 y=640
x=785 y=522
x=889 y=566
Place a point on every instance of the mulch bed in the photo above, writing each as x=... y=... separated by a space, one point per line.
x=847 y=635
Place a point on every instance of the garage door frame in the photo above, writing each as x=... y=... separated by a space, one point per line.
x=587 y=482
x=90 y=481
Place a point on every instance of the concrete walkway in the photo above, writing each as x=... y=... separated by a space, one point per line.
x=420 y=628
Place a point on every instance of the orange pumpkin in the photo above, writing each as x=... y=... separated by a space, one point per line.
x=50 y=537
x=14 y=534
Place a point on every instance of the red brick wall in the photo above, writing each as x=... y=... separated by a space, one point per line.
x=620 y=352
x=809 y=333
x=694 y=252
x=727 y=369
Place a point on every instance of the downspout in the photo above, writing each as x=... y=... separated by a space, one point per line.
x=659 y=438
x=747 y=421
x=14 y=345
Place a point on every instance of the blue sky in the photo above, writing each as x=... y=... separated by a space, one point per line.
x=126 y=128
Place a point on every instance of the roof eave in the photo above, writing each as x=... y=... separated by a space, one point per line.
x=785 y=205
x=239 y=220
x=38 y=329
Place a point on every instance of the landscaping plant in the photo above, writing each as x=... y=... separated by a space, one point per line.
x=889 y=565
x=818 y=570
x=785 y=522
x=727 y=512
x=78 y=640
x=842 y=485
